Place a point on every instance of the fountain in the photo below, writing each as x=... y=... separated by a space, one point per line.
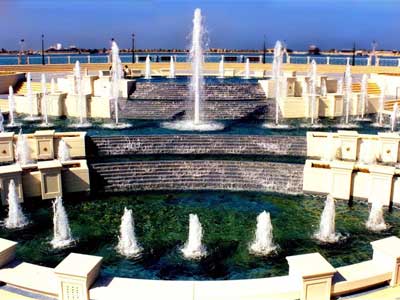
x=11 y=109
x=147 y=74
x=197 y=83
x=376 y=222
x=313 y=91
x=81 y=99
x=45 y=122
x=171 y=68
x=393 y=117
x=364 y=99
x=247 y=69
x=339 y=89
x=221 y=68
x=63 y=151
x=116 y=75
x=326 y=232
x=193 y=248
x=31 y=117
x=16 y=218
x=263 y=244
x=62 y=232
x=381 y=108
x=23 y=153
x=128 y=245
x=323 y=88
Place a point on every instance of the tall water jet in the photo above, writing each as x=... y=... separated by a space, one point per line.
x=196 y=83
x=393 y=117
x=339 y=89
x=327 y=231
x=323 y=88
x=80 y=98
x=221 y=68
x=52 y=86
x=45 y=122
x=364 y=96
x=147 y=74
x=313 y=91
x=11 y=107
x=23 y=153
x=16 y=218
x=381 y=107
x=247 y=69
x=127 y=244
x=376 y=221
x=277 y=76
x=348 y=92
x=193 y=248
x=263 y=243
x=171 y=68
x=31 y=117
x=62 y=236
x=63 y=154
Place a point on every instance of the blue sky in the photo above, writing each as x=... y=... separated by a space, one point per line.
x=230 y=24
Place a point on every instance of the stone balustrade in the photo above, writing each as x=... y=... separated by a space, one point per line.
x=198 y=175
x=198 y=144
x=311 y=277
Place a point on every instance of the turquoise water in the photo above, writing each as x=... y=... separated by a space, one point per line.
x=228 y=219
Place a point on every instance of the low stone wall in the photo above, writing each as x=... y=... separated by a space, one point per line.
x=199 y=144
x=9 y=79
x=198 y=175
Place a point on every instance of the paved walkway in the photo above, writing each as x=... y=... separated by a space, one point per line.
x=387 y=293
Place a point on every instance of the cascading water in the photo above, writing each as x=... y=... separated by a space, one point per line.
x=193 y=248
x=63 y=151
x=376 y=221
x=196 y=83
x=147 y=74
x=313 y=91
x=221 y=68
x=247 y=69
x=16 y=218
x=327 y=231
x=116 y=77
x=62 y=236
x=263 y=242
x=348 y=92
x=128 y=245
x=393 y=117
x=171 y=68
x=23 y=153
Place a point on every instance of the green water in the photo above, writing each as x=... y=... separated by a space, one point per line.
x=228 y=219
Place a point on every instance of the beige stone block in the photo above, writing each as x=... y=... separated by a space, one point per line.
x=315 y=274
x=100 y=107
x=8 y=173
x=72 y=106
x=389 y=146
x=291 y=87
x=349 y=144
x=44 y=144
x=55 y=104
x=341 y=179
x=24 y=106
x=7 y=251
x=360 y=187
x=102 y=87
x=75 y=274
x=381 y=184
x=31 y=181
x=6 y=147
x=51 y=184
x=75 y=176
x=387 y=254
x=331 y=85
x=316 y=178
x=75 y=142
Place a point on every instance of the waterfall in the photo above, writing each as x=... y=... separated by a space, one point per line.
x=193 y=248
x=11 y=106
x=263 y=242
x=171 y=68
x=62 y=232
x=63 y=151
x=221 y=68
x=23 y=153
x=128 y=245
x=376 y=222
x=148 y=68
x=16 y=218
x=327 y=232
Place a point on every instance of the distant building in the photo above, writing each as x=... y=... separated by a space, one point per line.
x=313 y=50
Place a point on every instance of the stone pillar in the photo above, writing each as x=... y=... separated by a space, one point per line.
x=44 y=144
x=387 y=254
x=349 y=144
x=75 y=274
x=50 y=179
x=381 y=183
x=6 y=147
x=7 y=251
x=313 y=273
x=8 y=173
x=341 y=179
x=389 y=146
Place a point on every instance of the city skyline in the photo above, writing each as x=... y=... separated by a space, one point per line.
x=230 y=24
